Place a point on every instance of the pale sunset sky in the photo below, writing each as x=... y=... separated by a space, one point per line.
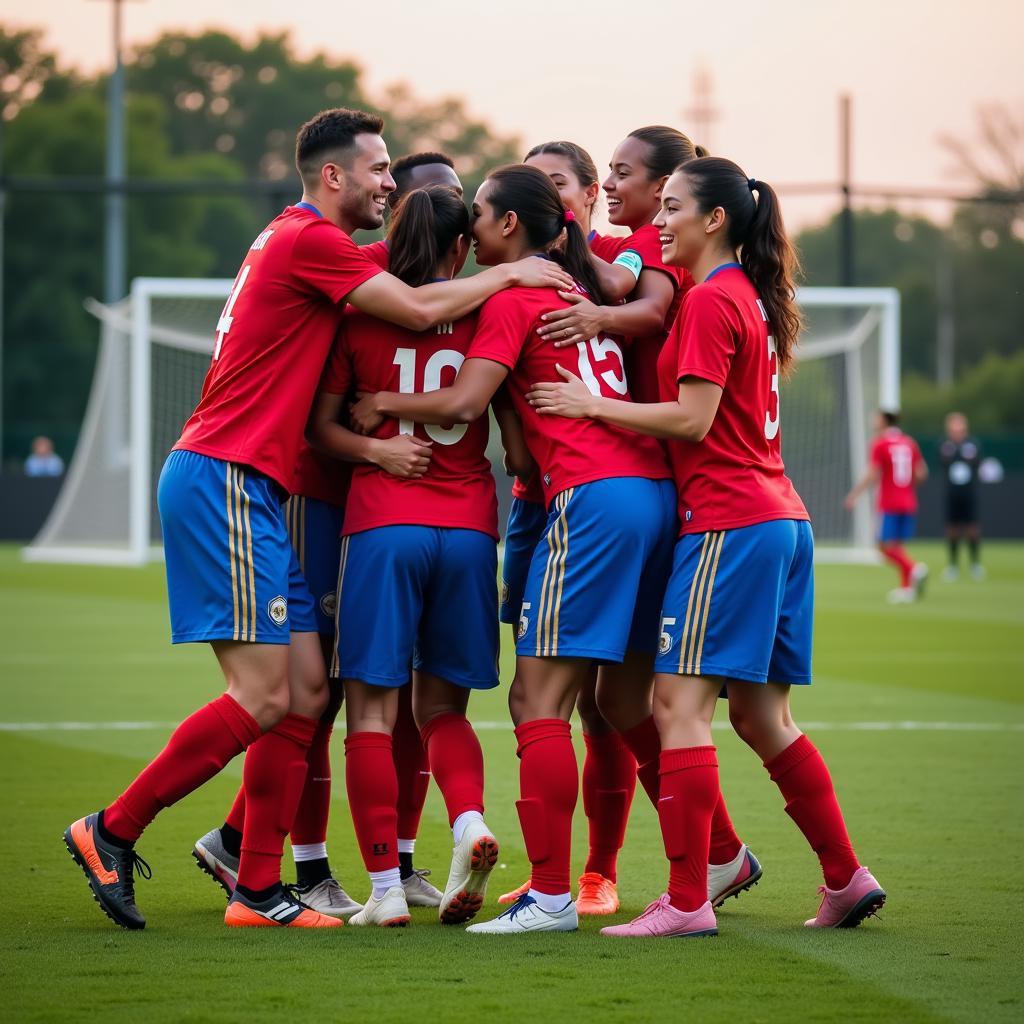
x=591 y=72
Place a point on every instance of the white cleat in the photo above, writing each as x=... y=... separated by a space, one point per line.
x=473 y=859
x=902 y=595
x=950 y=574
x=419 y=892
x=918 y=579
x=390 y=911
x=977 y=571
x=525 y=916
x=741 y=873
x=327 y=897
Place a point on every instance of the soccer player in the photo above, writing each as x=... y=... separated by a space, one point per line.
x=422 y=550
x=596 y=577
x=897 y=469
x=233 y=578
x=961 y=456
x=739 y=605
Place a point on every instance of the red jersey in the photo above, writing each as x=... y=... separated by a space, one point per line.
x=642 y=353
x=735 y=476
x=320 y=477
x=273 y=339
x=458 y=488
x=567 y=451
x=896 y=457
x=377 y=252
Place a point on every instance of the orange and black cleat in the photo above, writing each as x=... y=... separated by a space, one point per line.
x=280 y=909
x=110 y=870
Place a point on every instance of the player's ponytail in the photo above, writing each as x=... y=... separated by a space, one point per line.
x=666 y=149
x=423 y=230
x=530 y=194
x=754 y=226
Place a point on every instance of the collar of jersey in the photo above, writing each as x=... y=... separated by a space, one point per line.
x=724 y=266
x=310 y=207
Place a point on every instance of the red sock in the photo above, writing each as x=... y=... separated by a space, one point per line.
x=645 y=743
x=236 y=816
x=457 y=763
x=411 y=767
x=725 y=844
x=196 y=751
x=372 y=796
x=315 y=804
x=273 y=777
x=549 y=785
x=609 y=779
x=801 y=774
x=689 y=791
x=897 y=554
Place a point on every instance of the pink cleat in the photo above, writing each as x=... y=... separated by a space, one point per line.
x=846 y=908
x=662 y=921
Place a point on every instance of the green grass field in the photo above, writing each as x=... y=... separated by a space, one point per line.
x=919 y=711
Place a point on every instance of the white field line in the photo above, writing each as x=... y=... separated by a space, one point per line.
x=903 y=726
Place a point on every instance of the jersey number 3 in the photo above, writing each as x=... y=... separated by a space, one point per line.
x=772 y=416
x=405 y=360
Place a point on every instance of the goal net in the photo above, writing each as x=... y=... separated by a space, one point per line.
x=155 y=349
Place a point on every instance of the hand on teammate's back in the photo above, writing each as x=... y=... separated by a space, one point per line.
x=531 y=272
x=404 y=455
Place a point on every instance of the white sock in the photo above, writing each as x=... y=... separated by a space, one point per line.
x=406 y=845
x=384 y=880
x=551 y=904
x=459 y=827
x=309 y=851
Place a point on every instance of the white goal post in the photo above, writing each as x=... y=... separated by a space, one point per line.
x=155 y=348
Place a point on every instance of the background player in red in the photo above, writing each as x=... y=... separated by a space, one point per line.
x=233 y=579
x=739 y=605
x=416 y=583
x=595 y=579
x=896 y=467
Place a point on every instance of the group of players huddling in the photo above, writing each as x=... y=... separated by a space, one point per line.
x=330 y=528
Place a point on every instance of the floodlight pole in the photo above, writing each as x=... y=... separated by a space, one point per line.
x=846 y=268
x=114 y=284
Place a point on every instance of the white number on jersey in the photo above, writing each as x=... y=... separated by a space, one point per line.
x=405 y=360
x=601 y=348
x=902 y=456
x=773 y=415
x=226 y=319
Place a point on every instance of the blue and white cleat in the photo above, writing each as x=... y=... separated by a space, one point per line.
x=525 y=916
x=741 y=873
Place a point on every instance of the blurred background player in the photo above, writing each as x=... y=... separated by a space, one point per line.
x=961 y=457
x=896 y=467
x=43 y=461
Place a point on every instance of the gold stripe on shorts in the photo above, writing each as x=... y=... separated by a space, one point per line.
x=695 y=604
x=719 y=543
x=554 y=577
x=232 y=544
x=335 y=661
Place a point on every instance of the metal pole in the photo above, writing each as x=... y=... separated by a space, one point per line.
x=846 y=268
x=3 y=204
x=114 y=239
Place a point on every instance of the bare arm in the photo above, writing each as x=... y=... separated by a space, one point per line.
x=868 y=479
x=616 y=281
x=518 y=460
x=643 y=315
x=387 y=297
x=921 y=471
x=403 y=455
x=689 y=418
x=466 y=400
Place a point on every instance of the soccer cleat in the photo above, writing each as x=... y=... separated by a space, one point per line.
x=525 y=916
x=902 y=595
x=390 y=911
x=419 y=892
x=977 y=571
x=211 y=857
x=511 y=897
x=280 y=909
x=663 y=921
x=326 y=897
x=473 y=859
x=846 y=908
x=741 y=873
x=598 y=895
x=919 y=579
x=110 y=870
x=950 y=574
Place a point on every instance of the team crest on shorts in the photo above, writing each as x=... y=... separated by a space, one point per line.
x=277 y=609
x=505 y=595
x=665 y=643
x=328 y=604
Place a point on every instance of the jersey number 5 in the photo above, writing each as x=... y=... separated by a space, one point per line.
x=405 y=360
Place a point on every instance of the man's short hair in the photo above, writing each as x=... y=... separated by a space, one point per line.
x=891 y=419
x=331 y=132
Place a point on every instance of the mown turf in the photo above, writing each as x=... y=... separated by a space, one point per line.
x=935 y=812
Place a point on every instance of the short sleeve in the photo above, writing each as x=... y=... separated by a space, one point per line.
x=325 y=259
x=877 y=447
x=502 y=329
x=337 y=375
x=377 y=252
x=707 y=327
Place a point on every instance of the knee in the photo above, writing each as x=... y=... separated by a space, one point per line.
x=516 y=701
x=271 y=705
x=743 y=723
x=590 y=715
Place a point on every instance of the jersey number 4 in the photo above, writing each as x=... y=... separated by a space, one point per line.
x=226 y=318
x=405 y=360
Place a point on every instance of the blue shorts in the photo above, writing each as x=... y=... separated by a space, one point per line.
x=231 y=573
x=740 y=604
x=897 y=526
x=315 y=530
x=418 y=594
x=526 y=522
x=597 y=577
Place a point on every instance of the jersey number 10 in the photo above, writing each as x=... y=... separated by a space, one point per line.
x=405 y=360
